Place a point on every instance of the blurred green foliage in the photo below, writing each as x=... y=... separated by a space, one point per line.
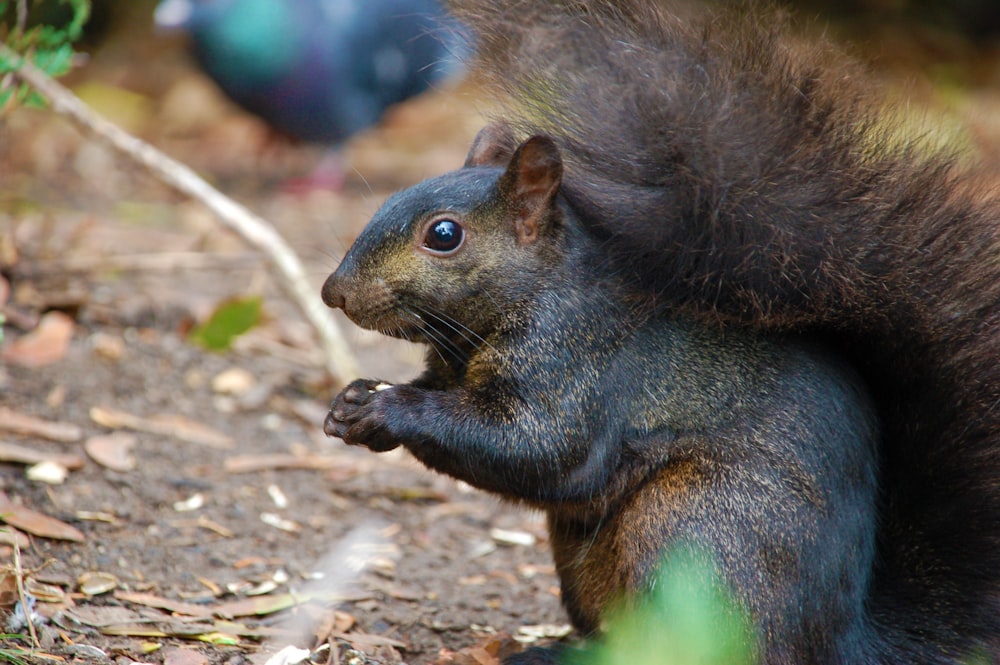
x=230 y=319
x=13 y=654
x=689 y=618
x=48 y=47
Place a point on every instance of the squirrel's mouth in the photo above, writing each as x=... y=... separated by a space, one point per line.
x=419 y=324
x=390 y=326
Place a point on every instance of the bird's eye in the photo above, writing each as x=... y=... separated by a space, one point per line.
x=444 y=236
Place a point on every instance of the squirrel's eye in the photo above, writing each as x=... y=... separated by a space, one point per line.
x=444 y=235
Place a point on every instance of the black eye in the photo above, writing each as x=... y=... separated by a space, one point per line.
x=444 y=235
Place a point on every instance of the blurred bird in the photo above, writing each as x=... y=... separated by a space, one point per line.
x=320 y=70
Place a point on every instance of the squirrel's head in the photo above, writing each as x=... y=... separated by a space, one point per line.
x=444 y=261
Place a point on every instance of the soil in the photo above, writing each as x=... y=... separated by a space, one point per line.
x=387 y=562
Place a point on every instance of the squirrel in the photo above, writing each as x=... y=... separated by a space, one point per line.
x=695 y=288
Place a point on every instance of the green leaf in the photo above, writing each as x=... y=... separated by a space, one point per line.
x=81 y=13
x=33 y=100
x=55 y=62
x=230 y=319
x=690 y=618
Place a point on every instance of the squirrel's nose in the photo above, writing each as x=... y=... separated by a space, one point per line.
x=332 y=292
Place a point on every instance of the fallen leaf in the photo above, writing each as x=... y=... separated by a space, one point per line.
x=173 y=606
x=8 y=590
x=102 y=616
x=45 y=593
x=263 y=605
x=171 y=425
x=11 y=536
x=112 y=451
x=229 y=320
x=218 y=638
x=46 y=344
x=331 y=620
x=367 y=641
x=36 y=523
x=491 y=651
x=86 y=652
x=18 y=423
x=11 y=452
x=96 y=583
x=132 y=630
x=181 y=656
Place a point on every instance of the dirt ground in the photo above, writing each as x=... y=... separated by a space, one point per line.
x=236 y=528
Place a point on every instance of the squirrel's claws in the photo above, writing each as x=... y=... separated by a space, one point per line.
x=352 y=419
x=334 y=427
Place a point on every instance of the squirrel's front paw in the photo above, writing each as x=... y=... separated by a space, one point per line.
x=354 y=415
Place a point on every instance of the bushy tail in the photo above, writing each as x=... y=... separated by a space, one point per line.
x=743 y=177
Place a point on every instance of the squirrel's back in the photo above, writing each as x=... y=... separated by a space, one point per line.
x=736 y=176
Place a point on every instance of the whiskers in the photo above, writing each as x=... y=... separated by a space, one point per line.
x=445 y=334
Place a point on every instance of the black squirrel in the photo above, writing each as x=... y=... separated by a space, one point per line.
x=710 y=297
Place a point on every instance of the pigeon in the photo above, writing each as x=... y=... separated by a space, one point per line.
x=320 y=70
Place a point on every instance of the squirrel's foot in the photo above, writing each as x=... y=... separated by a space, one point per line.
x=356 y=418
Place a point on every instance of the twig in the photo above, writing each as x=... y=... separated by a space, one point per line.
x=22 y=17
x=22 y=596
x=255 y=230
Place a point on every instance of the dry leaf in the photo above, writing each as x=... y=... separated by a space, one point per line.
x=172 y=606
x=12 y=421
x=8 y=590
x=263 y=605
x=11 y=536
x=102 y=616
x=175 y=426
x=491 y=651
x=329 y=621
x=181 y=656
x=36 y=523
x=45 y=593
x=96 y=583
x=367 y=641
x=46 y=344
x=112 y=451
x=10 y=452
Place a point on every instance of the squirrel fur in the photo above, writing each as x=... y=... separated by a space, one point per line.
x=695 y=288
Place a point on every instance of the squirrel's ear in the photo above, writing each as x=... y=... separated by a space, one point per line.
x=530 y=184
x=493 y=145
